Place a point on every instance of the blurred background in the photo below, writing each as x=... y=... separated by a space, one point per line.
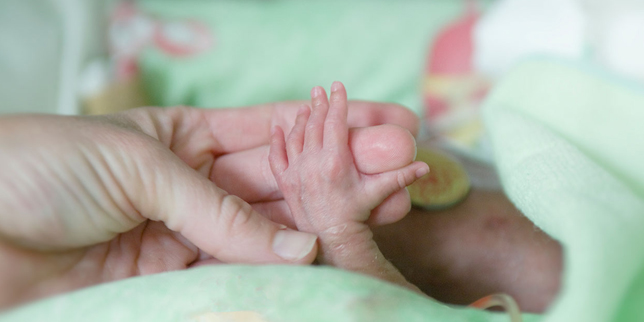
x=439 y=58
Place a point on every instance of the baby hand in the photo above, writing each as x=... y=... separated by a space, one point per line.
x=327 y=195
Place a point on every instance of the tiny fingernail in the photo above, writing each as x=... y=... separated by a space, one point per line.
x=273 y=130
x=422 y=171
x=315 y=92
x=335 y=86
x=293 y=245
x=302 y=109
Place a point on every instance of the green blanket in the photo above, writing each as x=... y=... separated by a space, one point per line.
x=568 y=144
x=267 y=51
x=569 y=155
x=275 y=293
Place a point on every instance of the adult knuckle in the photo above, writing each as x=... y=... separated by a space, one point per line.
x=234 y=213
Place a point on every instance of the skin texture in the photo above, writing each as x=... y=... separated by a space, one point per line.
x=76 y=192
x=86 y=200
x=327 y=194
x=482 y=246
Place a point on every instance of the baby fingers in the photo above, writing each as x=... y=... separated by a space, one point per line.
x=336 y=131
x=315 y=125
x=277 y=156
x=296 y=137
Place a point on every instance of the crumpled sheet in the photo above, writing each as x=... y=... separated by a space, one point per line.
x=568 y=144
x=249 y=293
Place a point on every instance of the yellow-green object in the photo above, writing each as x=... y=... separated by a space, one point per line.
x=446 y=183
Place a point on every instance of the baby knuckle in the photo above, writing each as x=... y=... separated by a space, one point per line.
x=334 y=167
x=311 y=126
x=333 y=125
x=401 y=179
x=290 y=186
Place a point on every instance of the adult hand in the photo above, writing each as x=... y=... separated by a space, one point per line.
x=84 y=200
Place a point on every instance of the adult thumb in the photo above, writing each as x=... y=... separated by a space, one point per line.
x=221 y=224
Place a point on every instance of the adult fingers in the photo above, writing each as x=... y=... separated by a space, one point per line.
x=244 y=128
x=162 y=187
x=382 y=148
x=277 y=211
x=375 y=149
x=392 y=209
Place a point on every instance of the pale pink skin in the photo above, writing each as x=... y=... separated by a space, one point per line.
x=326 y=192
x=86 y=200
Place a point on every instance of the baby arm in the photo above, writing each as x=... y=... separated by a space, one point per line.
x=326 y=194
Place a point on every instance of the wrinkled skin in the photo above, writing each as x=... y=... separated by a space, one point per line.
x=327 y=194
x=86 y=200
x=481 y=246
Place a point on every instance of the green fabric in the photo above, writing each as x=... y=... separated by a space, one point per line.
x=568 y=144
x=277 y=293
x=268 y=51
